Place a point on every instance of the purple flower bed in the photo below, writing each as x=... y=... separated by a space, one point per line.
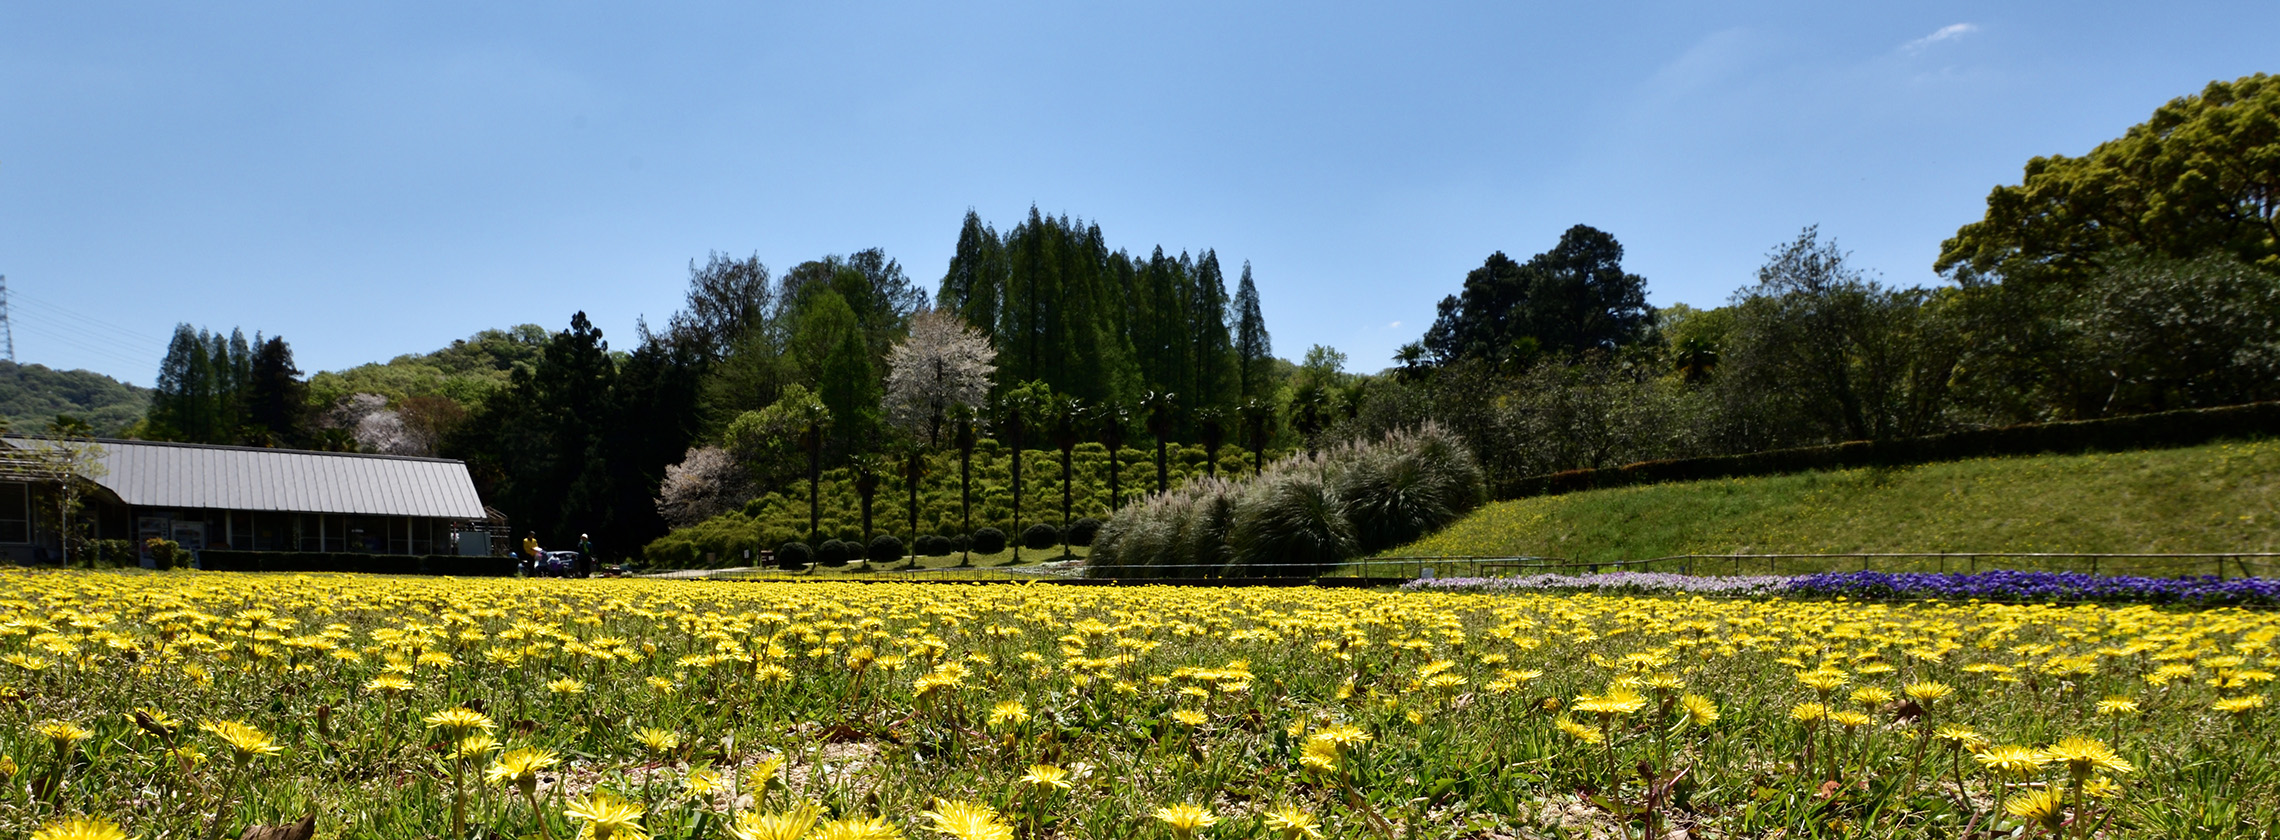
x=1633 y=582
x=2039 y=586
x=2013 y=586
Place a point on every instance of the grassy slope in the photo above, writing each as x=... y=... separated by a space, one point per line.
x=2213 y=498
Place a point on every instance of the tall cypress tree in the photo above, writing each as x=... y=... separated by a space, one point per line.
x=1213 y=382
x=1254 y=351
x=276 y=400
x=974 y=286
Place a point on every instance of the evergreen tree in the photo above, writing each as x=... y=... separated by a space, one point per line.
x=833 y=347
x=276 y=400
x=193 y=401
x=973 y=285
x=1213 y=383
x=1254 y=350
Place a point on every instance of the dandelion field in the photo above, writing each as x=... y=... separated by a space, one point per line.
x=199 y=705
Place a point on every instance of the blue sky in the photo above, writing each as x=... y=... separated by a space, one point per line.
x=369 y=180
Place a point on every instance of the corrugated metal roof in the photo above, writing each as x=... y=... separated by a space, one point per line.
x=180 y=475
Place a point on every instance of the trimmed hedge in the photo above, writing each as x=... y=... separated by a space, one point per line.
x=987 y=541
x=1040 y=536
x=216 y=560
x=2160 y=430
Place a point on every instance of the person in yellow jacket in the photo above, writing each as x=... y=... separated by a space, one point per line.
x=531 y=550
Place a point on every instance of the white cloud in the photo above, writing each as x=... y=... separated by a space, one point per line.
x=1949 y=32
x=1394 y=326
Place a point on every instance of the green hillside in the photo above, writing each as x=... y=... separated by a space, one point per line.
x=2214 y=498
x=32 y=395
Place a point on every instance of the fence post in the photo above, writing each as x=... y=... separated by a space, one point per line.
x=2220 y=568
x=2094 y=563
x=1975 y=564
x=1689 y=567
x=1864 y=562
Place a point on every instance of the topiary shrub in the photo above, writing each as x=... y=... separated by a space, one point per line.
x=935 y=545
x=1083 y=531
x=987 y=541
x=885 y=548
x=833 y=554
x=1040 y=535
x=165 y=554
x=794 y=555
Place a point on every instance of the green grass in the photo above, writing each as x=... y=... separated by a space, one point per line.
x=955 y=566
x=2215 y=498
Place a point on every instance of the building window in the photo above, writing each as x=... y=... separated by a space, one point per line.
x=15 y=513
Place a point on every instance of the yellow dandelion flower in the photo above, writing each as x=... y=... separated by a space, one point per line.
x=2239 y=706
x=388 y=684
x=789 y=825
x=64 y=734
x=1186 y=819
x=474 y=746
x=1291 y=823
x=1871 y=696
x=1926 y=693
x=1344 y=735
x=1850 y=719
x=701 y=781
x=1962 y=737
x=657 y=741
x=2046 y=806
x=2117 y=705
x=459 y=722
x=246 y=742
x=1808 y=712
x=1046 y=775
x=1619 y=700
x=1700 y=711
x=80 y=828
x=607 y=817
x=1319 y=755
x=1008 y=712
x=2084 y=756
x=520 y=767
x=1822 y=681
x=967 y=821
x=2011 y=759
x=565 y=685
x=1190 y=717
x=856 y=828
x=1579 y=731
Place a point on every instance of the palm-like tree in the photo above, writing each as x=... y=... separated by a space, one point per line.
x=1211 y=423
x=1114 y=419
x=962 y=423
x=815 y=418
x=1258 y=419
x=1014 y=413
x=1068 y=430
x=867 y=478
x=913 y=470
x=1162 y=410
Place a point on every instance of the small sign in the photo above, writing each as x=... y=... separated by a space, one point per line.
x=1425 y=573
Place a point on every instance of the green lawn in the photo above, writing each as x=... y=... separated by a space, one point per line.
x=956 y=566
x=2215 y=498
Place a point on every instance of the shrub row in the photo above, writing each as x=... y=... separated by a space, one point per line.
x=217 y=560
x=2190 y=427
x=1299 y=517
